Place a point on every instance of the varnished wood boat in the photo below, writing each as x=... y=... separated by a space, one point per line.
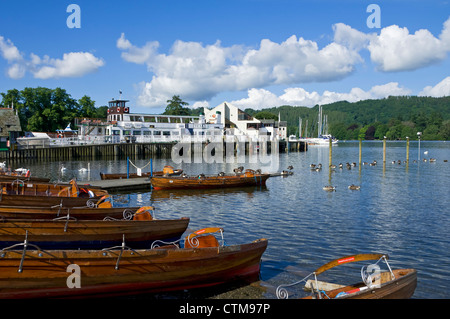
x=83 y=213
x=72 y=189
x=12 y=178
x=48 y=201
x=122 y=271
x=250 y=178
x=63 y=233
x=167 y=170
x=376 y=284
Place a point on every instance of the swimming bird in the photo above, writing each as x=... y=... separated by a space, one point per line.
x=329 y=188
x=84 y=170
x=354 y=187
x=290 y=167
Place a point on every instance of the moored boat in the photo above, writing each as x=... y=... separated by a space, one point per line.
x=72 y=189
x=376 y=284
x=167 y=170
x=249 y=178
x=69 y=233
x=98 y=212
x=121 y=271
x=48 y=201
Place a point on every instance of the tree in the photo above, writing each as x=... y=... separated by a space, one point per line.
x=265 y=115
x=87 y=107
x=175 y=107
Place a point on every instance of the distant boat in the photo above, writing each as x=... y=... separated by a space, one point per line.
x=249 y=178
x=323 y=138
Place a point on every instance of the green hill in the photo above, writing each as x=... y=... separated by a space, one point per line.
x=393 y=117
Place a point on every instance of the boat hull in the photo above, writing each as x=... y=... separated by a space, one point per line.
x=136 y=272
x=82 y=234
x=208 y=182
x=105 y=176
x=46 y=201
x=81 y=213
x=402 y=287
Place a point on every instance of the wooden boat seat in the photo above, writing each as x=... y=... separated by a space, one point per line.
x=203 y=238
x=203 y=241
x=143 y=213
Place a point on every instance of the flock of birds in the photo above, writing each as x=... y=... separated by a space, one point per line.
x=330 y=188
x=81 y=170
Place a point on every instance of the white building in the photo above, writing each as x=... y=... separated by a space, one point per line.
x=238 y=123
x=224 y=119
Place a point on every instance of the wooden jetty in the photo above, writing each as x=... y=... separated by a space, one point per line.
x=93 y=151
x=124 y=184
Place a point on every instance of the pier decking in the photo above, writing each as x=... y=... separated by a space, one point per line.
x=96 y=151
x=124 y=184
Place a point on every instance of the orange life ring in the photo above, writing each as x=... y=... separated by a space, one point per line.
x=118 y=109
x=125 y=110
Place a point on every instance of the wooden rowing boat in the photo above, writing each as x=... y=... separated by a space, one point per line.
x=12 y=178
x=69 y=233
x=72 y=189
x=48 y=201
x=202 y=181
x=376 y=284
x=122 y=271
x=167 y=170
x=84 y=213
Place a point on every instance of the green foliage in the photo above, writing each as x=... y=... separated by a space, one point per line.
x=46 y=110
x=265 y=115
x=393 y=117
x=175 y=107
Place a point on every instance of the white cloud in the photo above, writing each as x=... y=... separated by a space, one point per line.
x=297 y=96
x=198 y=72
x=439 y=90
x=9 y=50
x=395 y=49
x=73 y=64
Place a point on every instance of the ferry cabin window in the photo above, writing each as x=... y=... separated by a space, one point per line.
x=147 y=132
x=156 y=132
x=136 y=132
x=127 y=132
x=166 y=133
x=115 y=132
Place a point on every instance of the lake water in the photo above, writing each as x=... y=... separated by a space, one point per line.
x=401 y=210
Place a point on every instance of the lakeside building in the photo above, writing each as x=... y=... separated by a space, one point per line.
x=10 y=128
x=224 y=121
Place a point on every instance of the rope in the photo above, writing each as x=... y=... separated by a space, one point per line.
x=139 y=167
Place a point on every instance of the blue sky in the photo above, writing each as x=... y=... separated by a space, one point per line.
x=253 y=53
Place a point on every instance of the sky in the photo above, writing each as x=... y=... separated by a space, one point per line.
x=251 y=53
